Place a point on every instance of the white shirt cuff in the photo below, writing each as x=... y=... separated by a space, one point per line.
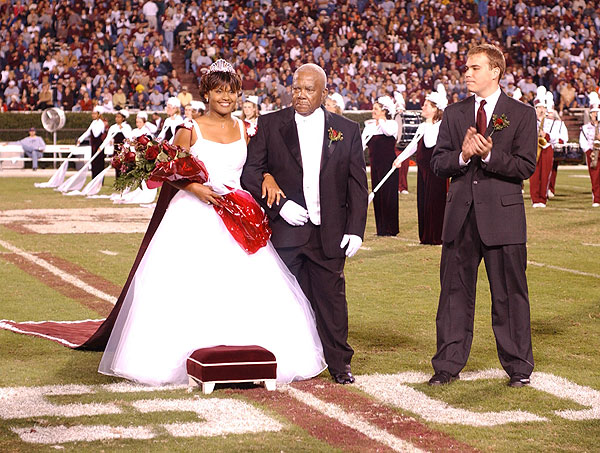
x=487 y=159
x=461 y=162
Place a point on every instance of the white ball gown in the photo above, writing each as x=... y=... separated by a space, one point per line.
x=196 y=287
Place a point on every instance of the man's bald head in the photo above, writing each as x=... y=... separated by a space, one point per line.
x=315 y=69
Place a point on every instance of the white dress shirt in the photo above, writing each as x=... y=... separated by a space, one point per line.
x=310 y=135
x=490 y=105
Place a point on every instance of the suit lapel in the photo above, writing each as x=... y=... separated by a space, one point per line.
x=327 y=149
x=467 y=119
x=289 y=133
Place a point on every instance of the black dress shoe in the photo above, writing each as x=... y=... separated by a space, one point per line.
x=442 y=377
x=519 y=380
x=343 y=378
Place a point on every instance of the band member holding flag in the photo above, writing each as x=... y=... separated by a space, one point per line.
x=380 y=135
x=96 y=133
x=431 y=189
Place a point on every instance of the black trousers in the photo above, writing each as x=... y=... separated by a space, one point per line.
x=505 y=267
x=322 y=280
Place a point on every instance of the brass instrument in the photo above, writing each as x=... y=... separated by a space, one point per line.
x=542 y=142
x=595 y=148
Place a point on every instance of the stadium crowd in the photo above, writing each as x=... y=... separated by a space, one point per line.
x=79 y=54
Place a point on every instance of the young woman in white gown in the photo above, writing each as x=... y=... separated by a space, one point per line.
x=195 y=286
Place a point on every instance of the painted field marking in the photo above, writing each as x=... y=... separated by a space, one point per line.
x=392 y=389
x=71 y=279
x=351 y=420
x=220 y=416
x=590 y=245
x=564 y=269
x=80 y=433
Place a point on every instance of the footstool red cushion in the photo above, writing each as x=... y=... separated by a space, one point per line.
x=224 y=364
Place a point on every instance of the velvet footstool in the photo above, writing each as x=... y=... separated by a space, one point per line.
x=227 y=364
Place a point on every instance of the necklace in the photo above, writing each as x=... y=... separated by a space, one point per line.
x=223 y=122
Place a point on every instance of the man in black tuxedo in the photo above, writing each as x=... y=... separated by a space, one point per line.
x=316 y=158
x=484 y=218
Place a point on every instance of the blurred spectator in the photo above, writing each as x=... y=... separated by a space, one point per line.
x=33 y=147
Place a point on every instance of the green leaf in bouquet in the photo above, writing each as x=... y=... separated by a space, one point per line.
x=162 y=157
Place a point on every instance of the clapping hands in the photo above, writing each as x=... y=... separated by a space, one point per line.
x=475 y=144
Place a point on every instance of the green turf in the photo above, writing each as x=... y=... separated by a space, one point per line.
x=392 y=290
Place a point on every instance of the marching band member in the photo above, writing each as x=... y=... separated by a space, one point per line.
x=95 y=132
x=431 y=189
x=174 y=119
x=250 y=114
x=380 y=134
x=589 y=141
x=143 y=126
x=559 y=134
x=539 y=181
x=117 y=134
x=193 y=110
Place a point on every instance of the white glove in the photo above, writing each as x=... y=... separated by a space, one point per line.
x=354 y=242
x=293 y=213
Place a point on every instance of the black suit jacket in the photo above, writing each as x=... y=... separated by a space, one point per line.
x=494 y=189
x=342 y=181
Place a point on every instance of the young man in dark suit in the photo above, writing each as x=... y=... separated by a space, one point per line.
x=317 y=160
x=484 y=218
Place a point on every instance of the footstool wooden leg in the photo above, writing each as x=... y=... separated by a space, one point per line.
x=208 y=387
x=270 y=384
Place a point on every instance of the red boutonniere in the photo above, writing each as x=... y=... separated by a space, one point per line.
x=335 y=136
x=499 y=123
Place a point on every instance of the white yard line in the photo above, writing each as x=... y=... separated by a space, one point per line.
x=564 y=269
x=72 y=280
x=590 y=245
x=351 y=420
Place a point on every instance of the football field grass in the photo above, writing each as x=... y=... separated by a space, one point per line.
x=52 y=397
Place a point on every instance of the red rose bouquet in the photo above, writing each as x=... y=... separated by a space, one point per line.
x=144 y=159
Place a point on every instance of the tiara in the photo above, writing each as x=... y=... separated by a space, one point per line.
x=221 y=66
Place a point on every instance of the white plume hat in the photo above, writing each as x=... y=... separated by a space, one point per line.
x=549 y=100
x=339 y=100
x=388 y=104
x=124 y=113
x=540 y=97
x=253 y=99
x=174 y=102
x=142 y=115
x=517 y=94
x=400 y=103
x=439 y=98
x=594 y=101
x=98 y=109
x=197 y=105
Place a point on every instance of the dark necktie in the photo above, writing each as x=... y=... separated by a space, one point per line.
x=481 y=118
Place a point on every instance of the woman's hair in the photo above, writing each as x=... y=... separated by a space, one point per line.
x=494 y=54
x=387 y=113
x=215 y=79
x=438 y=115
